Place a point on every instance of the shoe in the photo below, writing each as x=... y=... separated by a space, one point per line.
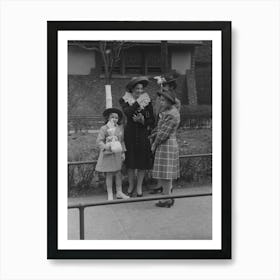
x=139 y=195
x=110 y=197
x=166 y=204
x=170 y=202
x=129 y=193
x=161 y=204
x=121 y=195
x=157 y=190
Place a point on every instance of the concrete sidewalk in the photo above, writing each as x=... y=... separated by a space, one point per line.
x=189 y=218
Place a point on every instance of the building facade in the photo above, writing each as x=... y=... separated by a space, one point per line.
x=192 y=60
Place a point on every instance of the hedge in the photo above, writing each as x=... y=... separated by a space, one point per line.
x=83 y=178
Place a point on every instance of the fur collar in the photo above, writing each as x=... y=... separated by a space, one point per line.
x=143 y=99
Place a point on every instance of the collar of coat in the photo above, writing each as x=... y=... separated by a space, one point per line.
x=144 y=101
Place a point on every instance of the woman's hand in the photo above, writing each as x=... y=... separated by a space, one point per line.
x=151 y=138
x=123 y=156
x=139 y=118
x=153 y=148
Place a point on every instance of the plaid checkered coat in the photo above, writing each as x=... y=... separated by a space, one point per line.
x=166 y=163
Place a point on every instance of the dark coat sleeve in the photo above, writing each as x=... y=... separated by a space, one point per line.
x=149 y=116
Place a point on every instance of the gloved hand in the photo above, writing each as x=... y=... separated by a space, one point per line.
x=153 y=148
x=139 y=118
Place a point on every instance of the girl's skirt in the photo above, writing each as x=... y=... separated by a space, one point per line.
x=109 y=162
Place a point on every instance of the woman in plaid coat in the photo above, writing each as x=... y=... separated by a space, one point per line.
x=165 y=146
x=168 y=84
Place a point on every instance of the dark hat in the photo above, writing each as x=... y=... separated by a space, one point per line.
x=109 y=111
x=171 y=79
x=168 y=94
x=137 y=80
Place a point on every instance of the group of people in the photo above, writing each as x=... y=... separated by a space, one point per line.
x=147 y=141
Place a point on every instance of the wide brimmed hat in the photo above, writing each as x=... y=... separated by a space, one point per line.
x=168 y=94
x=109 y=111
x=137 y=80
x=171 y=80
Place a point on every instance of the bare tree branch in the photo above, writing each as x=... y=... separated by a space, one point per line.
x=110 y=52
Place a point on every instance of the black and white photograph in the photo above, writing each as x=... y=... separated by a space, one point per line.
x=139 y=116
x=139 y=120
x=139 y=140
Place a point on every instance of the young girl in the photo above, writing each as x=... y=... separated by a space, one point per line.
x=112 y=148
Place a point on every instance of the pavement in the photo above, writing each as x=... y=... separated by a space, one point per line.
x=189 y=218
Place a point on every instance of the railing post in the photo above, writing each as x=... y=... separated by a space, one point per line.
x=82 y=222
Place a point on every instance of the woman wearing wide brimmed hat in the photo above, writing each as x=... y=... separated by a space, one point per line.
x=169 y=83
x=137 y=107
x=165 y=146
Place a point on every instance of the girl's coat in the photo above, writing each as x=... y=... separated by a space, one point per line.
x=107 y=160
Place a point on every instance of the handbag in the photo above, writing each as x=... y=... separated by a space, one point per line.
x=116 y=146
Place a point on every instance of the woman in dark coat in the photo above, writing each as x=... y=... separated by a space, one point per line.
x=137 y=107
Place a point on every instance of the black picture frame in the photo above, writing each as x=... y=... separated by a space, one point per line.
x=52 y=87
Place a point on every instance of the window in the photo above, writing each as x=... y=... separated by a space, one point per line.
x=137 y=60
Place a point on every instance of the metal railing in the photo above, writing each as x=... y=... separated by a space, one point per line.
x=181 y=156
x=82 y=206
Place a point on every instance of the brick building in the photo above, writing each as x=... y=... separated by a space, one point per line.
x=191 y=59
